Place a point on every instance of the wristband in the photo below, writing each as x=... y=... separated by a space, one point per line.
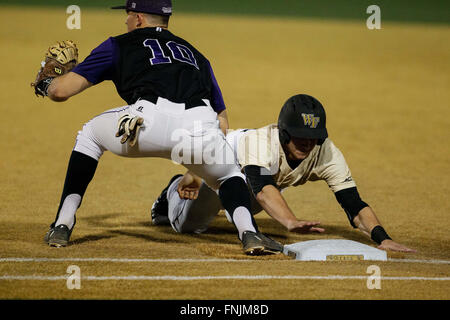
x=378 y=234
x=42 y=87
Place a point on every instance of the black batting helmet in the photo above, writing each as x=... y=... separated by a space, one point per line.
x=302 y=116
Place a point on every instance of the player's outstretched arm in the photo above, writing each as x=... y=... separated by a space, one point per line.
x=269 y=197
x=273 y=202
x=66 y=86
x=361 y=216
x=368 y=223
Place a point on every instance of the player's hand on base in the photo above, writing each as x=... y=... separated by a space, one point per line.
x=300 y=226
x=394 y=246
x=189 y=186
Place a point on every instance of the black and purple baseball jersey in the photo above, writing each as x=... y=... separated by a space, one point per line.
x=149 y=63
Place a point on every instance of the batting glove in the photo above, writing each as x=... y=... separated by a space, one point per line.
x=128 y=128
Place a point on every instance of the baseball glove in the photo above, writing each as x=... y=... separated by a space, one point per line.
x=60 y=58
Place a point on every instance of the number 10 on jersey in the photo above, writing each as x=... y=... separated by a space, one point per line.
x=179 y=52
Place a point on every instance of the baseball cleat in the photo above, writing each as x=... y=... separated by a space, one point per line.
x=257 y=244
x=160 y=208
x=58 y=236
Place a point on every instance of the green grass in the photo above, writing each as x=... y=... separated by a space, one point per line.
x=431 y=11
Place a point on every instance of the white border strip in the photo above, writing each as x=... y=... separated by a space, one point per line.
x=128 y=260
x=432 y=261
x=119 y=260
x=236 y=277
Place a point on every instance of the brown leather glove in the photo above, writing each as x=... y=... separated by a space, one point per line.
x=60 y=58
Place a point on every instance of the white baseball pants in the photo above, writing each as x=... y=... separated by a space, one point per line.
x=195 y=216
x=191 y=137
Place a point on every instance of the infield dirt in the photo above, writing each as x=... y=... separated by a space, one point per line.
x=386 y=93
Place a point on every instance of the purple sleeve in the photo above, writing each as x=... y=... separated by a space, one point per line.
x=217 y=102
x=99 y=64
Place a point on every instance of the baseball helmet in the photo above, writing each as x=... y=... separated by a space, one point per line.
x=302 y=116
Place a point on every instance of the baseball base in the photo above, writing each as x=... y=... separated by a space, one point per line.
x=333 y=250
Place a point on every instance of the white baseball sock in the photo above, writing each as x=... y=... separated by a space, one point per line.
x=68 y=209
x=243 y=220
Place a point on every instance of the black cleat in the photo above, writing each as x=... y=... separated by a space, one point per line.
x=160 y=208
x=58 y=236
x=257 y=244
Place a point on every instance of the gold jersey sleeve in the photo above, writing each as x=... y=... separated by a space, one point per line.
x=262 y=147
x=259 y=147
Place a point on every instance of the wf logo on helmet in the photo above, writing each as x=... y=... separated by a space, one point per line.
x=310 y=120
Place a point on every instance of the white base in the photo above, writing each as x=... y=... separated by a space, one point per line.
x=333 y=250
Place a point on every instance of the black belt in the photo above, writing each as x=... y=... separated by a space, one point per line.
x=189 y=104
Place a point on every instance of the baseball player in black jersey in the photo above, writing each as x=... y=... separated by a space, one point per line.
x=174 y=110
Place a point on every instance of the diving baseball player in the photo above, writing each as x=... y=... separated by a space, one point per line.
x=174 y=108
x=273 y=158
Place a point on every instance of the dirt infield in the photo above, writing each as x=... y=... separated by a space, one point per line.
x=386 y=93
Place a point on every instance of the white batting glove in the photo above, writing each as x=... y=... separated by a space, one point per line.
x=128 y=127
